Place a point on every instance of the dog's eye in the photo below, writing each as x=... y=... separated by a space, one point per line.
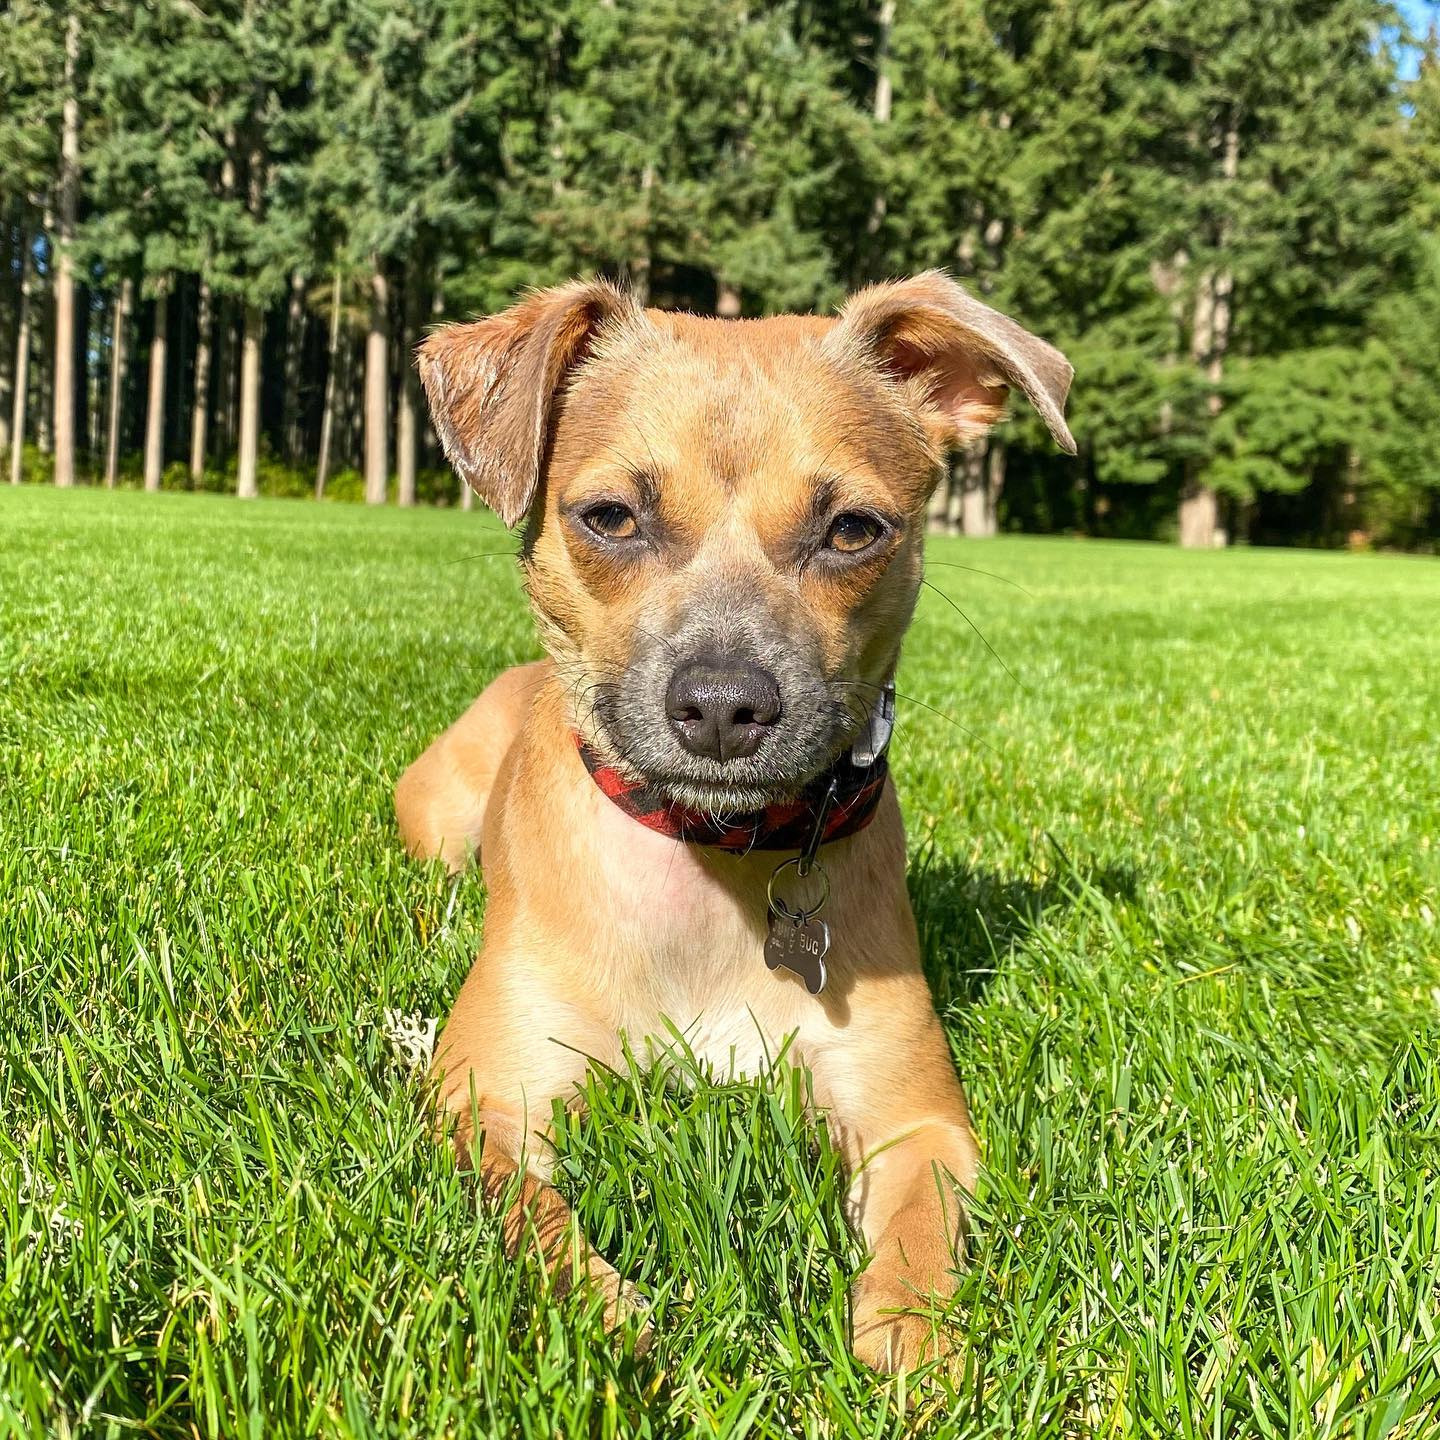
x=852 y=532
x=613 y=522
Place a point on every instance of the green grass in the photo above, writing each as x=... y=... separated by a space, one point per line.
x=1180 y=904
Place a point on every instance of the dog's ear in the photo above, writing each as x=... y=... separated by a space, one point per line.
x=962 y=354
x=492 y=385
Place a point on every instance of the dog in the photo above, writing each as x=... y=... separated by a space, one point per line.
x=683 y=815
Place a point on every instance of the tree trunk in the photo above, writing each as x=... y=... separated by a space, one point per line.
x=957 y=498
x=377 y=389
x=294 y=354
x=407 y=427
x=727 y=300
x=1199 y=516
x=65 y=265
x=7 y=339
x=327 y=418
x=639 y=266
x=884 y=99
x=437 y=311
x=222 y=363
x=80 y=376
x=939 y=507
x=155 y=409
x=1209 y=342
x=342 y=448
x=225 y=348
x=22 y=360
x=119 y=326
x=43 y=337
x=100 y=320
x=977 y=520
x=247 y=485
x=200 y=405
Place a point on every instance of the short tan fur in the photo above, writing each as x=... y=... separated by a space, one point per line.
x=736 y=449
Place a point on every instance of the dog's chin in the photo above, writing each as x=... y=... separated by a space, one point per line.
x=747 y=787
x=720 y=799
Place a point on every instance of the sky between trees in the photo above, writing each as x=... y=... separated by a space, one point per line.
x=223 y=227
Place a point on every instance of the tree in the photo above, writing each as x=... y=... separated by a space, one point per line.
x=67 y=187
x=399 y=155
x=1289 y=226
x=31 y=71
x=715 y=138
x=148 y=163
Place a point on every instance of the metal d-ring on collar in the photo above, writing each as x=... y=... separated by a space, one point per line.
x=804 y=864
x=793 y=941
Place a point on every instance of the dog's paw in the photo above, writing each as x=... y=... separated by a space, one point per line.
x=893 y=1329
x=622 y=1302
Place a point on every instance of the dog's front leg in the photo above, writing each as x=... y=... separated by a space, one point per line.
x=911 y=1154
x=535 y=1217
x=911 y=1212
x=498 y=1084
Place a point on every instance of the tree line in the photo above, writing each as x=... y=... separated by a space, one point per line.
x=224 y=224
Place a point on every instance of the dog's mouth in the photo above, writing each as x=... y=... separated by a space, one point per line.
x=810 y=742
x=720 y=801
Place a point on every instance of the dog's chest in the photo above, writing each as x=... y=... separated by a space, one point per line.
x=686 y=930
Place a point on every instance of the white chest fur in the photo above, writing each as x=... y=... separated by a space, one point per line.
x=688 y=928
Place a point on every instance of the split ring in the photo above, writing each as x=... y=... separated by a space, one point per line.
x=802 y=915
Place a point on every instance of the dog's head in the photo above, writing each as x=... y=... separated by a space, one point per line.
x=725 y=519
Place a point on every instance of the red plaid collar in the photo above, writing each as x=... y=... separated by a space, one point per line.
x=784 y=826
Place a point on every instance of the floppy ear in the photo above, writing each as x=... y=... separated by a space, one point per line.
x=492 y=385
x=962 y=354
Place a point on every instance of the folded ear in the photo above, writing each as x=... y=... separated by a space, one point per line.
x=492 y=385
x=962 y=354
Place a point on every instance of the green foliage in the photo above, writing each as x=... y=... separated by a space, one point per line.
x=31 y=70
x=712 y=137
x=1403 y=445
x=1291 y=416
x=1071 y=161
x=37 y=467
x=1178 y=912
x=1223 y=210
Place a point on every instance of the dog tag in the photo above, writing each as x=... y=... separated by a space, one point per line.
x=799 y=946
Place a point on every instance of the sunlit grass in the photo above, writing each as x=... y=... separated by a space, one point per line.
x=1179 y=894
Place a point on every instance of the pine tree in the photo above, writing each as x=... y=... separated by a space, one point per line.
x=716 y=138
x=31 y=76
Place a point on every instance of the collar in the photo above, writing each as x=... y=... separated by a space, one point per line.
x=786 y=825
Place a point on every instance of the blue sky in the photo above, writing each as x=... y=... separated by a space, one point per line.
x=1419 y=13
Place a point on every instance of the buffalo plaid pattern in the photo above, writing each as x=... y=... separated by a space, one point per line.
x=784 y=826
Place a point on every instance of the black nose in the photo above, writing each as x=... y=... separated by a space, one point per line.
x=722 y=708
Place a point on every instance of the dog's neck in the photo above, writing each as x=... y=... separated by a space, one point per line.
x=786 y=825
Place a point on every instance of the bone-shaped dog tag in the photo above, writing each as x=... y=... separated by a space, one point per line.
x=799 y=946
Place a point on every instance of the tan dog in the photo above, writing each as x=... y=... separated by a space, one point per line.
x=723 y=548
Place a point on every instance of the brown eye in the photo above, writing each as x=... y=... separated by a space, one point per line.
x=852 y=532
x=612 y=522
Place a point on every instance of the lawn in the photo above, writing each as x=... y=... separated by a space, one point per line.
x=1176 y=864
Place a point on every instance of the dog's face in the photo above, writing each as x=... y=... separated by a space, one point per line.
x=725 y=518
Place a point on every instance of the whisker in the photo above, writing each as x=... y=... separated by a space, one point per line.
x=658 y=639
x=989 y=574
x=483 y=555
x=925 y=705
x=951 y=603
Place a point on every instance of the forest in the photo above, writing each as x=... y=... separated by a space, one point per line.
x=225 y=224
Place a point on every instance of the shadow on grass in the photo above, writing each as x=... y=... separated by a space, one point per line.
x=970 y=918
